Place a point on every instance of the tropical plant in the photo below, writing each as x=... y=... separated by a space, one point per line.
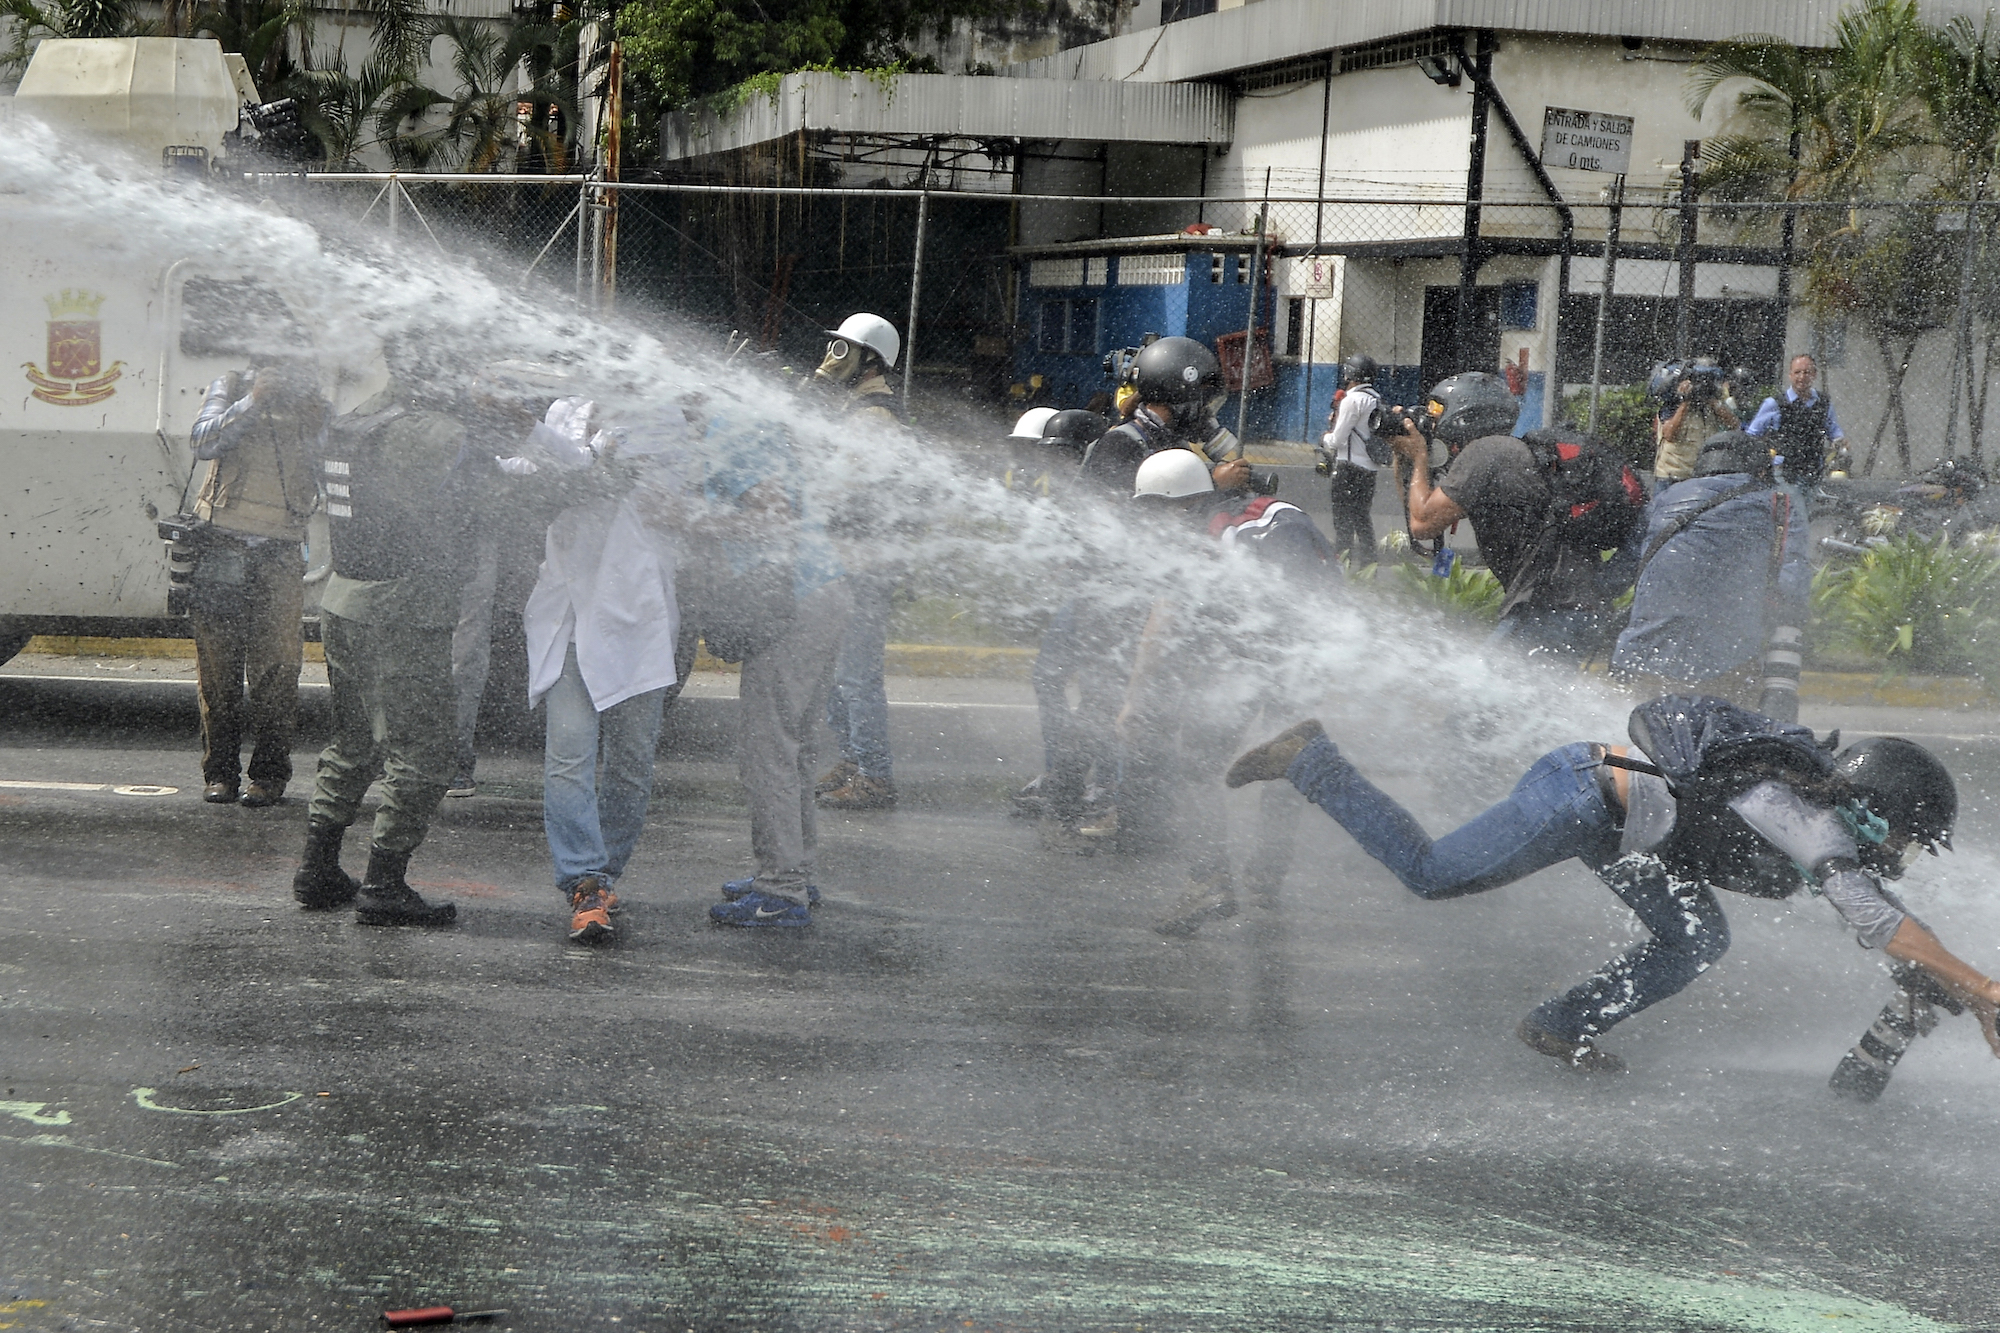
x=1843 y=127
x=480 y=127
x=1912 y=604
x=61 y=18
x=1624 y=420
x=1475 y=594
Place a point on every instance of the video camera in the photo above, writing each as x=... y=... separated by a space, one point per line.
x=1865 y=1070
x=1118 y=363
x=1707 y=381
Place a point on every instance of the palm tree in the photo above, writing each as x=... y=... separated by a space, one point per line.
x=1843 y=127
x=61 y=18
x=1962 y=93
x=478 y=126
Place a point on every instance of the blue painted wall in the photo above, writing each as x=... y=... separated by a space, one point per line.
x=1197 y=308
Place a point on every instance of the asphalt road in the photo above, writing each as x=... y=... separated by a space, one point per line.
x=979 y=1093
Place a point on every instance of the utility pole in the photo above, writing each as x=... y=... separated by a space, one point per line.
x=1684 y=307
x=614 y=104
x=1250 y=327
x=1473 y=253
x=1604 y=293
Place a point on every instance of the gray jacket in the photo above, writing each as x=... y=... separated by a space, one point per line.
x=1700 y=608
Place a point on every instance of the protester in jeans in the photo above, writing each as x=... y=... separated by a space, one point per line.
x=859 y=355
x=601 y=626
x=1840 y=825
x=771 y=595
x=1724 y=563
x=248 y=590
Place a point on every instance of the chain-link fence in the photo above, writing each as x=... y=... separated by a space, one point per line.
x=1009 y=301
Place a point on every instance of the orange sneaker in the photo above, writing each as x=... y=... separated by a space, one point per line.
x=590 y=911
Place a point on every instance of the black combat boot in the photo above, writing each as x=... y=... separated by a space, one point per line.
x=386 y=900
x=320 y=884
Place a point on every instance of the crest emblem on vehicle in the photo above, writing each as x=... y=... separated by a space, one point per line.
x=76 y=376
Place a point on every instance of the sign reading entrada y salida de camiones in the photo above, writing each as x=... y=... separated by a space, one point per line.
x=1586 y=140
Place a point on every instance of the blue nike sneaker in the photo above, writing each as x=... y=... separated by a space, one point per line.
x=736 y=888
x=757 y=908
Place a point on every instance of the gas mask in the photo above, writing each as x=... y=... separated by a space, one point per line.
x=842 y=363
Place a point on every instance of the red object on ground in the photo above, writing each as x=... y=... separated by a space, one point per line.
x=434 y=1314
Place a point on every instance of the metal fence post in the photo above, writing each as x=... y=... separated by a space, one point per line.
x=1604 y=292
x=1690 y=222
x=1250 y=331
x=916 y=291
x=395 y=206
x=582 y=238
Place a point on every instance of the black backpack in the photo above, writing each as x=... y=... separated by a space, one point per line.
x=1595 y=500
x=1594 y=496
x=1710 y=751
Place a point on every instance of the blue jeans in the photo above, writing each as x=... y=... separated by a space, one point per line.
x=857 y=712
x=1554 y=813
x=597 y=776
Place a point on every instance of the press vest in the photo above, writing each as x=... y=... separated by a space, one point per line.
x=263 y=487
x=1801 y=436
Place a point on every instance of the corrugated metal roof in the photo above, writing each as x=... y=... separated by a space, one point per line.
x=1265 y=33
x=958 y=106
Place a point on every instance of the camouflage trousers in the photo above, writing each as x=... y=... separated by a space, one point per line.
x=393 y=718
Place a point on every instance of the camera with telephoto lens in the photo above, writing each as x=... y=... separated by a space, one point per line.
x=1223 y=447
x=1118 y=363
x=183 y=534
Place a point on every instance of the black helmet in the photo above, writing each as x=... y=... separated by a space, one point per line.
x=1358 y=369
x=1731 y=451
x=1905 y=784
x=1178 y=371
x=1470 y=406
x=1075 y=428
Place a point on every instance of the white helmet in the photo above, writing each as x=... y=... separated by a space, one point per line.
x=875 y=333
x=1173 y=474
x=1032 y=421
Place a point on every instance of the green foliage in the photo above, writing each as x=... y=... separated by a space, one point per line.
x=696 y=49
x=1912 y=605
x=477 y=128
x=1624 y=420
x=1474 y=594
x=28 y=22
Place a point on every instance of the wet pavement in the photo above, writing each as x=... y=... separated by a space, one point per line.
x=979 y=1093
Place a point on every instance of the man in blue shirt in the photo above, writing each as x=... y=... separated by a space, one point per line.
x=1802 y=429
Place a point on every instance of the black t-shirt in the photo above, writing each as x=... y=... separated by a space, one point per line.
x=1495 y=481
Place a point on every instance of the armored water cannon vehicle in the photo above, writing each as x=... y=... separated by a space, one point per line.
x=111 y=338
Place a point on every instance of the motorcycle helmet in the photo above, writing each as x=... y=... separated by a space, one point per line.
x=1358 y=369
x=1905 y=784
x=1182 y=374
x=1470 y=406
x=1073 y=429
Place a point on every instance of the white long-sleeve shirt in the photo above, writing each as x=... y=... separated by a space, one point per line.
x=607 y=586
x=1348 y=440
